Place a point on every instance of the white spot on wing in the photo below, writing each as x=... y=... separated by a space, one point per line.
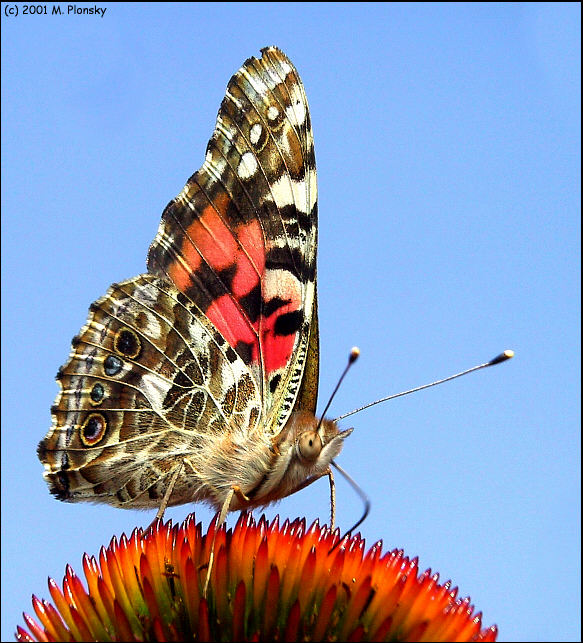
x=302 y=194
x=286 y=67
x=247 y=166
x=277 y=282
x=155 y=389
x=296 y=113
x=255 y=133
x=153 y=328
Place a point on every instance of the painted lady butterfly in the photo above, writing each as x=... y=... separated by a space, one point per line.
x=197 y=381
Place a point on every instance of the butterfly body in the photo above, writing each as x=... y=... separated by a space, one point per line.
x=204 y=370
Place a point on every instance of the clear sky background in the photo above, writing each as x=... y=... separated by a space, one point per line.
x=448 y=149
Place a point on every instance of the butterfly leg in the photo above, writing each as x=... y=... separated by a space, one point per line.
x=332 y=499
x=309 y=481
x=167 y=494
x=239 y=493
x=235 y=490
x=222 y=517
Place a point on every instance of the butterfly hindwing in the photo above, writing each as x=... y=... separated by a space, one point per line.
x=148 y=381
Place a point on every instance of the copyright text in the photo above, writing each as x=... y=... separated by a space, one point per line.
x=18 y=9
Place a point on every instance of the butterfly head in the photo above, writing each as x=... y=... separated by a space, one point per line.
x=316 y=443
x=305 y=448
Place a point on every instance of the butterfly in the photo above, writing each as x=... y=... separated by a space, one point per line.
x=197 y=381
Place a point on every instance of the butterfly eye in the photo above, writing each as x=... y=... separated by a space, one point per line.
x=309 y=445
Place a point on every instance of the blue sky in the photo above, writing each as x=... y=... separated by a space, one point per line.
x=448 y=148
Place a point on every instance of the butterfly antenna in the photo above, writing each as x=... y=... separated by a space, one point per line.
x=506 y=355
x=363 y=497
x=352 y=357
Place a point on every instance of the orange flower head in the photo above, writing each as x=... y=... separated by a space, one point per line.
x=267 y=583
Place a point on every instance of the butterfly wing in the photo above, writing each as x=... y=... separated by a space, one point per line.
x=220 y=339
x=145 y=374
x=240 y=240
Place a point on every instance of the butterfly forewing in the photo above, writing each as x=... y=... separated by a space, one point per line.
x=179 y=367
x=240 y=240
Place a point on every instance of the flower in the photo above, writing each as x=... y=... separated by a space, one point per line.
x=267 y=583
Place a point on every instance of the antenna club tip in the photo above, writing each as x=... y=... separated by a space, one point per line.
x=507 y=354
x=354 y=353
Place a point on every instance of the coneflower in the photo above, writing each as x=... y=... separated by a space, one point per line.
x=268 y=583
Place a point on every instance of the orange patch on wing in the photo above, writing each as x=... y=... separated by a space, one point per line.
x=180 y=276
x=249 y=259
x=208 y=238
x=231 y=322
x=277 y=349
x=211 y=236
